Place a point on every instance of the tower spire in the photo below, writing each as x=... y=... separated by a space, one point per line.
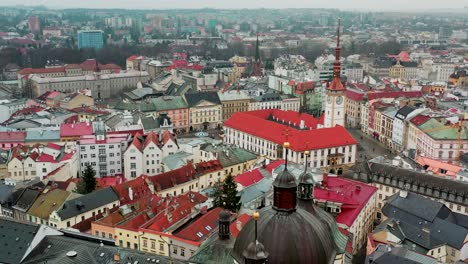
x=257 y=50
x=336 y=84
x=337 y=65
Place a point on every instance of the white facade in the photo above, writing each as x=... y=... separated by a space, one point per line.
x=443 y=150
x=334 y=109
x=101 y=85
x=443 y=71
x=292 y=104
x=104 y=154
x=7 y=108
x=400 y=128
x=268 y=149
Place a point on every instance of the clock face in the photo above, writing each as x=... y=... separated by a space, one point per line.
x=329 y=99
x=339 y=100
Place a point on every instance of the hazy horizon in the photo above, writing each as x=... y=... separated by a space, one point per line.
x=400 y=5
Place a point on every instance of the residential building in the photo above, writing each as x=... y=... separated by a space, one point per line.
x=233 y=101
x=413 y=131
x=390 y=179
x=42 y=136
x=353 y=99
x=423 y=231
x=145 y=153
x=175 y=107
x=442 y=142
x=84 y=208
x=73 y=132
x=10 y=71
x=400 y=126
x=104 y=152
x=11 y=139
x=93 y=39
x=22 y=163
x=52 y=157
x=383 y=253
x=29 y=243
x=273 y=100
x=262 y=132
x=47 y=202
x=404 y=70
x=188 y=239
x=9 y=107
x=205 y=110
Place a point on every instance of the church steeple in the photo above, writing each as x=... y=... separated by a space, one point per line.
x=285 y=188
x=257 y=50
x=336 y=84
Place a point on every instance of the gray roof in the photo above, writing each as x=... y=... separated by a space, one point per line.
x=418 y=182
x=385 y=254
x=26 y=199
x=87 y=202
x=229 y=155
x=405 y=111
x=14 y=240
x=422 y=221
x=42 y=135
x=87 y=252
x=194 y=99
x=5 y=192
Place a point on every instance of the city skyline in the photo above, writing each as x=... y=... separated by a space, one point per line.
x=186 y=4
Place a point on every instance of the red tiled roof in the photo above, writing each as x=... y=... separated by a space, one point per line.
x=208 y=166
x=88 y=110
x=46 y=158
x=248 y=178
x=170 y=216
x=273 y=165
x=139 y=188
x=54 y=146
x=353 y=95
x=27 y=111
x=78 y=129
x=420 y=119
x=410 y=94
x=151 y=137
x=12 y=136
x=243 y=219
x=353 y=196
x=272 y=131
x=287 y=116
x=67 y=156
x=173 y=178
x=202 y=227
x=107 y=181
x=132 y=58
x=41 y=70
x=166 y=136
x=52 y=173
x=336 y=85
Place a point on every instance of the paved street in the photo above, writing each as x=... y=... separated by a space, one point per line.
x=368 y=147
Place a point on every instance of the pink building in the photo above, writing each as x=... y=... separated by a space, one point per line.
x=11 y=139
x=34 y=24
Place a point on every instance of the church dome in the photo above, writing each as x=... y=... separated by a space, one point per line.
x=298 y=237
x=288 y=234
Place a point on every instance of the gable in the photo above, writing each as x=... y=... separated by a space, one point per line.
x=204 y=103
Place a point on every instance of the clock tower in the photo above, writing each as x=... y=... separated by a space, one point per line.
x=335 y=95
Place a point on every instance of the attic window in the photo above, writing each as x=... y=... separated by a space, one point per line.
x=199 y=234
x=208 y=228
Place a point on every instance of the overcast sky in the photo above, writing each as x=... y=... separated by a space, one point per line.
x=167 y=4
